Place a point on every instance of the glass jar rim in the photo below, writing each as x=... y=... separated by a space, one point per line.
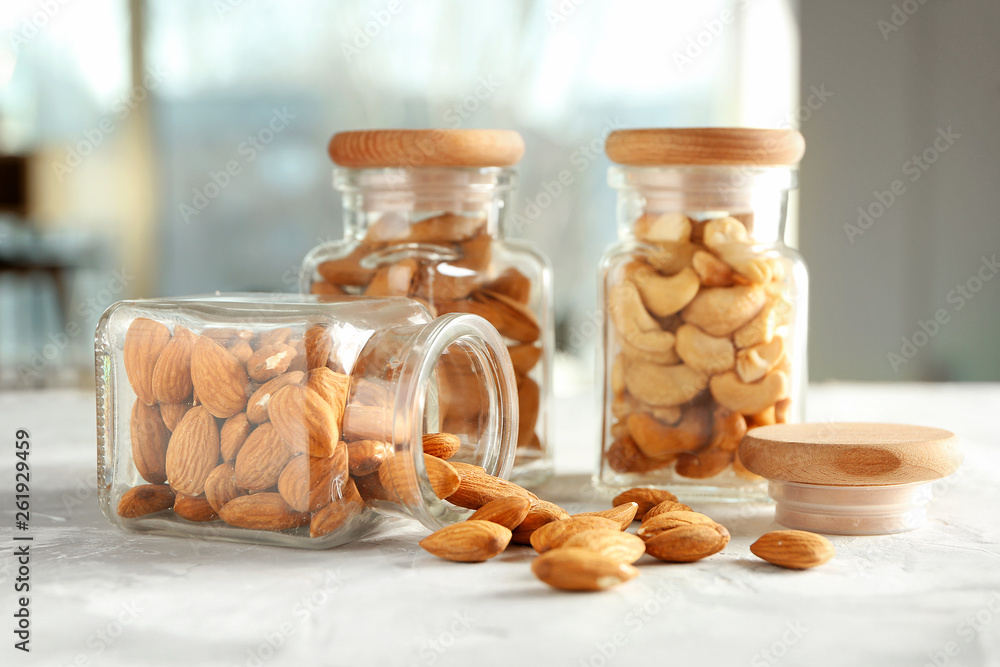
x=427 y=179
x=714 y=178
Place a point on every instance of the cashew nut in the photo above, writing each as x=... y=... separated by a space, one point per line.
x=618 y=377
x=703 y=352
x=651 y=346
x=755 y=362
x=719 y=311
x=665 y=295
x=657 y=440
x=665 y=227
x=724 y=231
x=748 y=399
x=782 y=410
x=749 y=263
x=636 y=327
x=670 y=258
x=712 y=270
x=664 y=385
x=728 y=429
x=624 y=404
x=762 y=418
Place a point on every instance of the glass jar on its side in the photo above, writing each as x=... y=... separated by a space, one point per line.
x=424 y=216
x=288 y=420
x=705 y=334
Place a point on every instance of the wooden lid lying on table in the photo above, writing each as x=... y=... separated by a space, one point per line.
x=850 y=454
x=370 y=149
x=705 y=146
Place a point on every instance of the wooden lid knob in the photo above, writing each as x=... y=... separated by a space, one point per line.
x=370 y=149
x=705 y=146
x=850 y=454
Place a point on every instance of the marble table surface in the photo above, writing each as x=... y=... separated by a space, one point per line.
x=100 y=596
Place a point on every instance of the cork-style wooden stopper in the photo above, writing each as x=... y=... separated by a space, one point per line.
x=705 y=146
x=850 y=454
x=371 y=149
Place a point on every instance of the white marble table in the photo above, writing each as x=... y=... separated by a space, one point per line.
x=100 y=596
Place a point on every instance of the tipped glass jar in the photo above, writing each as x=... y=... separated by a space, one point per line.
x=706 y=307
x=291 y=421
x=424 y=216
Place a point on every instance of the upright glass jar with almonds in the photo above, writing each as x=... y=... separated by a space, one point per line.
x=424 y=214
x=705 y=334
x=292 y=421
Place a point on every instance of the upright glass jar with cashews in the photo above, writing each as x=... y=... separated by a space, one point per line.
x=706 y=307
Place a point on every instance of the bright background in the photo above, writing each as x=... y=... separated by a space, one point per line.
x=116 y=114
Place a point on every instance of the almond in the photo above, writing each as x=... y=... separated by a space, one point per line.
x=581 y=570
x=257 y=405
x=508 y=512
x=477 y=487
x=262 y=511
x=270 y=361
x=624 y=514
x=149 y=442
x=219 y=379
x=646 y=498
x=541 y=513
x=665 y=506
x=220 y=487
x=145 y=499
x=241 y=350
x=793 y=549
x=512 y=319
x=553 y=535
x=279 y=336
x=193 y=452
x=689 y=543
x=144 y=341
x=172 y=373
x=172 y=413
x=365 y=456
x=332 y=387
x=619 y=546
x=524 y=357
x=194 y=508
x=308 y=482
x=670 y=520
x=371 y=489
x=319 y=344
x=468 y=541
x=338 y=513
x=261 y=459
x=442 y=475
x=304 y=420
x=233 y=435
x=398 y=475
x=441 y=445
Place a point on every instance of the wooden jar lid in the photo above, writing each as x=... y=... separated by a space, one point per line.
x=850 y=454
x=705 y=146
x=369 y=149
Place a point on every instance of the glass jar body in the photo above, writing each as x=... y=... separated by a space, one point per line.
x=436 y=235
x=705 y=327
x=288 y=420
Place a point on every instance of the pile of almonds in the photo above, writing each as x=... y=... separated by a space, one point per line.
x=592 y=551
x=698 y=346
x=444 y=261
x=253 y=429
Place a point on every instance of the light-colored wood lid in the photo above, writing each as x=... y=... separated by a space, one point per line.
x=705 y=146
x=850 y=454
x=370 y=149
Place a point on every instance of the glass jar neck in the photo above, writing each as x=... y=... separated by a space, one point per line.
x=756 y=195
x=395 y=397
x=417 y=193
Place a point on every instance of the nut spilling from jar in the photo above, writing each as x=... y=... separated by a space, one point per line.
x=446 y=262
x=698 y=341
x=262 y=430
